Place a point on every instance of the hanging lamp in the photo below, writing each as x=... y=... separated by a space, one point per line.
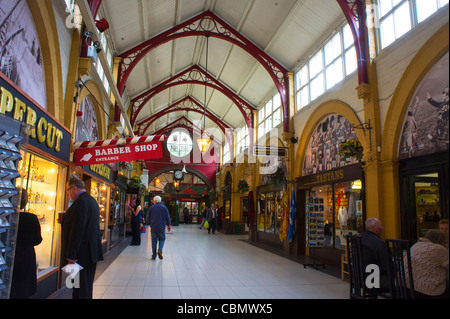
x=204 y=141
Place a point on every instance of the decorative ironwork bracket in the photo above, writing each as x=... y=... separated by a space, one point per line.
x=365 y=126
x=354 y=12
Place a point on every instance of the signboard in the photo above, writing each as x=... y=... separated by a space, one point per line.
x=338 y=175
x=115 y=153
x=102 y=171
x=46 y=134
x=269 y=151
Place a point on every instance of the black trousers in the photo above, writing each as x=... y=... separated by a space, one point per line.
x=135 y=232
x=86 y=280
x=212 y=225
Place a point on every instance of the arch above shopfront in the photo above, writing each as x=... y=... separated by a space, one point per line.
x=92 y=89
x=430 y=53
x=322 y=111
x=47 y=31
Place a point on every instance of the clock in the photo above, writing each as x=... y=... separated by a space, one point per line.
x=178 y=175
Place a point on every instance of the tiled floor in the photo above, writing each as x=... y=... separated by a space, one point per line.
x=198 y=265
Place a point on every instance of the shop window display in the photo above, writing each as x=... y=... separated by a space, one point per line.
x=428 y=206
x=100 y=192
x=343 y=211
x=43 y=181
x=269 y=212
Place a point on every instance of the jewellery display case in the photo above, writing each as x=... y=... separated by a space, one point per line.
x=11 y=138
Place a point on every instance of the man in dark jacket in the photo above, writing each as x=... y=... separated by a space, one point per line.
x=80 y=236
x=374 y=250
x=211 y=217
x=159 y=218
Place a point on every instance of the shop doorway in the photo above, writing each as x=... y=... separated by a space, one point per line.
x=424 y=204
x=424 y=199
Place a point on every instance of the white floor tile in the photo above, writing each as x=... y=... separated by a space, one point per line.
x=198 y=265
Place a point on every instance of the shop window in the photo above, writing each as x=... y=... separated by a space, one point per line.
x=261 y=224
x=343 y=211
x=100 y=193
x=43 y=181
x=269 y=212
x=427 y=203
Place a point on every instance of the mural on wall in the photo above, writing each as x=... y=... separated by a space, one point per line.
x=87 y=129
x=20 y=51
x=425 y=128
x=322 y=153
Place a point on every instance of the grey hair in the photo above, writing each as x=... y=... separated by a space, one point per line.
x=76 y=182
x=157 y=199
x=371 y=222
x=435 y=236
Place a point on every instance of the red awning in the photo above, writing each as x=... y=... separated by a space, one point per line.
x=120 y=141
x=119 y=150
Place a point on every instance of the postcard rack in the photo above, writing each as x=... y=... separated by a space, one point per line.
x=10 y=145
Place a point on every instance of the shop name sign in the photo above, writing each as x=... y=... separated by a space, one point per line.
x=346 y=173
x=330 y=176
x=46 y=133
x=115 y=153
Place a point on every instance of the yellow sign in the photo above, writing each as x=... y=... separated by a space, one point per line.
x=42 y=130
x=102 y=170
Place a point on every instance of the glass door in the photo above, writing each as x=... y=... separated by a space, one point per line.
x=427 y=204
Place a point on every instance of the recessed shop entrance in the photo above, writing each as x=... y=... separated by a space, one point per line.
x=424 y=183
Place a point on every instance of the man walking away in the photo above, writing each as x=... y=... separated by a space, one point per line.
x=159 y=218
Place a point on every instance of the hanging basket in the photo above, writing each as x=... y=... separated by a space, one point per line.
x=351 y=148
x=243 y=186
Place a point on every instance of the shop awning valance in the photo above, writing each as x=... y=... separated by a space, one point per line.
x=120 y=141
x=118 y=150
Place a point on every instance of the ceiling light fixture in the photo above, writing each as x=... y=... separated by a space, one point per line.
x=204 y=141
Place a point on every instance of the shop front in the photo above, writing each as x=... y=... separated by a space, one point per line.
x=116 y=224
x=43 y=172
x=97 y=178
x=269 y=207
x=423 y=153
x=330 y=190
x=332 y=204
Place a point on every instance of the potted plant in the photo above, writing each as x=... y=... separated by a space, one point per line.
x=243 y=186
x=277 y=177
x=351 y=148
x=124 y=166
x=134 y=182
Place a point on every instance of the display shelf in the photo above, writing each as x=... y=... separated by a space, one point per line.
x=315 y=227
x=10 y=144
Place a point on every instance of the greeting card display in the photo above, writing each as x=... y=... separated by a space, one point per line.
x=315 y=222
x=10 y=145
x=315 y=236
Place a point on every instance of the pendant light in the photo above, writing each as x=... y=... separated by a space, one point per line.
x=204 y=141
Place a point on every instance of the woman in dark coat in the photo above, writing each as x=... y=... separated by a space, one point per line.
x=24 y=282
x=136 y=220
